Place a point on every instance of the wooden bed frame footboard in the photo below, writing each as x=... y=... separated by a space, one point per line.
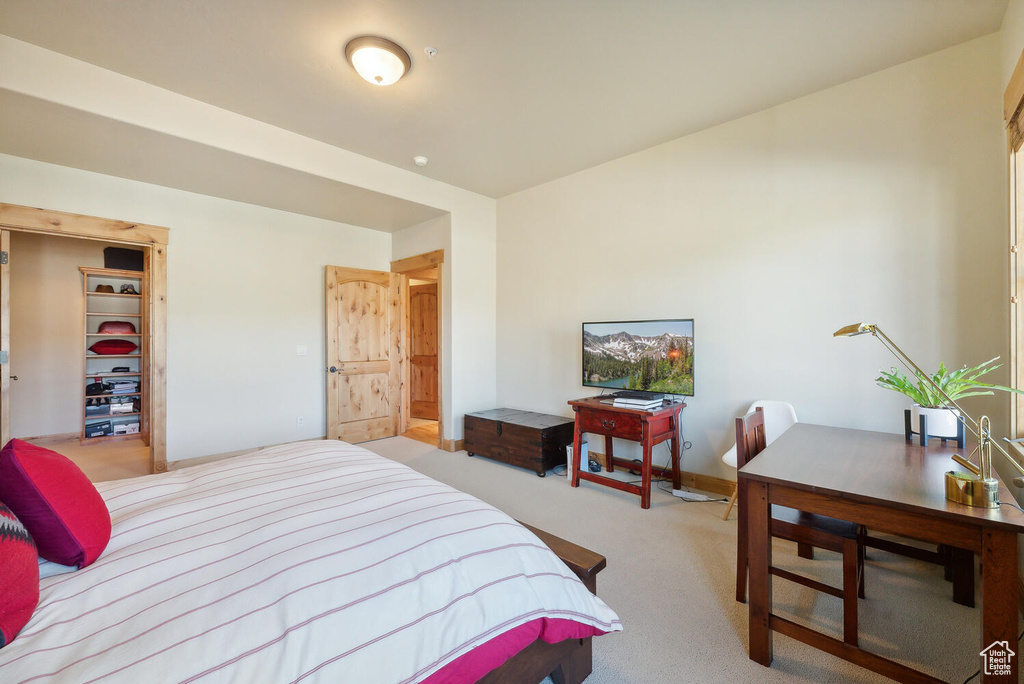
x=567 y=662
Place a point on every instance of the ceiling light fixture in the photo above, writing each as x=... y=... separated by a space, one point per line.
x=378 y=60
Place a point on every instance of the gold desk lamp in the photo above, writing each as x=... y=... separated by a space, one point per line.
x=978 y=487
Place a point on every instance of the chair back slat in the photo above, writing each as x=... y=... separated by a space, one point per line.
x=750 y=436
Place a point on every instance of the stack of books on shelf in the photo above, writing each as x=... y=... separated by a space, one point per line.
x=124 y=387
x=638 y=403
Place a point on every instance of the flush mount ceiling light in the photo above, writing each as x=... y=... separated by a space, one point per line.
x=378 y=60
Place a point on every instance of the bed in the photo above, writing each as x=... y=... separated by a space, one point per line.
x=316 y=561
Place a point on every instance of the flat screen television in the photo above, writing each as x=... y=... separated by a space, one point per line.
x=642 y=356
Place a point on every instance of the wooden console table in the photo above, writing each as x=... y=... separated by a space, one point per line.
x=652 y=427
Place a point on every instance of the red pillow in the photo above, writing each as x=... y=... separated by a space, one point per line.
x=116 y=328
x=56 y=502
x=113 y=347
x=19 y=588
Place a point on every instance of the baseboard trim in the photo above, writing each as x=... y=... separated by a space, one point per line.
x=452 y=445
x=53 y=439
x=709 y=483
x=706 y=483
x=200 y=460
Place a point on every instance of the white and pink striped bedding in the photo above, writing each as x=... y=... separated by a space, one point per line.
x=317 y=561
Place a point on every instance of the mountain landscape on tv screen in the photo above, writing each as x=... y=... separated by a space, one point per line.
x=661 y=363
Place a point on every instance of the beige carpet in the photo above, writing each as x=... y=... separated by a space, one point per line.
x=671 y=578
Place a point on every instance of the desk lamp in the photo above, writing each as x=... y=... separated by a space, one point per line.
x=977 y=487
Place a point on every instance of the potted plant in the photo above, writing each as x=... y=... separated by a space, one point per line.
x=957 y=384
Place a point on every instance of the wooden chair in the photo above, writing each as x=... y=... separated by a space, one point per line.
x=808 y=530
x=779 y=417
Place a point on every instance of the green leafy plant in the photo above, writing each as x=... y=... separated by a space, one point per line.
x=957 y=384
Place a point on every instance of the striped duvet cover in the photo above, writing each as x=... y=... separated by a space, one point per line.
x=317 y=562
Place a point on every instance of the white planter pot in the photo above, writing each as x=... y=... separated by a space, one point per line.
x=942 y=422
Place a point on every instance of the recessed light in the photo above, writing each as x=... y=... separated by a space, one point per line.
x=378 y=60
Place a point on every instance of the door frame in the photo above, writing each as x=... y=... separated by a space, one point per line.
x=408 y=268
x=153 y=240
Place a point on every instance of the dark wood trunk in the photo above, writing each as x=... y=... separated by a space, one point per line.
x=522 y=438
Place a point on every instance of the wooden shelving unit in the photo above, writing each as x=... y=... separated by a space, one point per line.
x=101 y=307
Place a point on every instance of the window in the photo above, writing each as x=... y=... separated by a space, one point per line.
x=1013 y=98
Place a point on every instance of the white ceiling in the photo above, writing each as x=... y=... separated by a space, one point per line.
x=48 y=132
x=521 y=91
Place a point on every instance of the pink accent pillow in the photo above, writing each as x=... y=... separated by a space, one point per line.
x=55 y=501
x=19 y=588
x=116 y=328
x=113 y=347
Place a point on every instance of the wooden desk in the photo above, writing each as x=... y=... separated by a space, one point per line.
x=647 y=427
x=890 y=485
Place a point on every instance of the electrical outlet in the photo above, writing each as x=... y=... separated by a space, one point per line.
x=298 y=422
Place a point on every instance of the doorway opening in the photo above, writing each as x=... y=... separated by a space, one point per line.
x=87 y=405
x=423 y=341
x=423 y=353
x=148 y=339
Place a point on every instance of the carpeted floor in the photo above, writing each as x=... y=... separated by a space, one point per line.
x=671 y=578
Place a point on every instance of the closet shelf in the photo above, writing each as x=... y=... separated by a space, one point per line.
x=135 y=307
x=110 y=416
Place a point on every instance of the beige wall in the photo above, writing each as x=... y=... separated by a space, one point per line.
x=1011 y=38
x=46 y=332
x=880 y=200
x=245 y=288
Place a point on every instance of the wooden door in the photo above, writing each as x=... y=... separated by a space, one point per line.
x=423 y=352
x=364 y=355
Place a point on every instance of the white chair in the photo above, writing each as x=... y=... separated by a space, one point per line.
x=779 y=416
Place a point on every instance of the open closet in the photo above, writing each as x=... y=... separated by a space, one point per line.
x=83 y=339
x=77 y=351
